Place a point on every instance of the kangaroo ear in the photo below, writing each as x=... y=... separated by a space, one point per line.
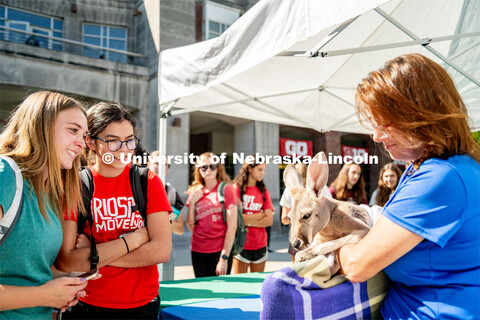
x=317 y=174
x=292 y=178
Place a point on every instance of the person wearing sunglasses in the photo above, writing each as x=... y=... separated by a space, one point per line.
x=212 y=237
x=129 y=248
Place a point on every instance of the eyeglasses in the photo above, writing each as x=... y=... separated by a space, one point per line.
x=115 y=145
x=212 y=167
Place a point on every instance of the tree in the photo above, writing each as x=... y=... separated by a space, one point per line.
x=476 y=136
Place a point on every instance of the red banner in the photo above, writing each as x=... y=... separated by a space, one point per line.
x=353 y=151
x=289 y=147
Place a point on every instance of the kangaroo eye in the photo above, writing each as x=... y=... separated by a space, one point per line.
x=306 y=216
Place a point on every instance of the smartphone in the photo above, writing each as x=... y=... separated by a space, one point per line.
x=89 y=275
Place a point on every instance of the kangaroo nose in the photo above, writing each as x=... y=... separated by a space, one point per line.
x=297 y=244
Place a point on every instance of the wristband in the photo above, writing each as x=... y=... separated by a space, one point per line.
x=126 y=244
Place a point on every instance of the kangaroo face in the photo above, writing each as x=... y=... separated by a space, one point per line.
x=309 y=212
x=308 y=216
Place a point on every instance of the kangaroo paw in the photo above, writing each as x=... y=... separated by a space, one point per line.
x=305 y=255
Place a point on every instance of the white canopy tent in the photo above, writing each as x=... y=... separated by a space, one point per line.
x=297 y=62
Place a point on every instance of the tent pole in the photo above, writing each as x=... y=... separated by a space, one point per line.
x=435 y=52
x=344 y=101
x=221 y=104
x=258 y=100
x=423 y=42
x=314 y=51
x=162 y=138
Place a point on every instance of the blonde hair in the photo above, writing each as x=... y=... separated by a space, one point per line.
x=384 y=192
x=340 y=185
x=29 y=139
x=417 y=96
x=198 y=180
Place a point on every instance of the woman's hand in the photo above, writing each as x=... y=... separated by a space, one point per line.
x=197 y=195
x=221 y=268
x=137 y=238
x=82 y=242
x=62 y=292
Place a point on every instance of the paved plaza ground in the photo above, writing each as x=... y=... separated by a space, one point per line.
x=277 y=259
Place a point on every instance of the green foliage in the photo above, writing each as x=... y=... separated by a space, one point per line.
x=476 y=136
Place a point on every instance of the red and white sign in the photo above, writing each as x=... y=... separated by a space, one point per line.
x=290 y=147
x=353 y=151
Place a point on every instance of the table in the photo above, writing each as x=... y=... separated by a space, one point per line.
x=223 y=297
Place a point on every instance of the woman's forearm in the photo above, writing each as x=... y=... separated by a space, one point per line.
x=191 y=217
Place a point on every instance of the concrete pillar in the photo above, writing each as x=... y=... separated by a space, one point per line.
x=263 y=138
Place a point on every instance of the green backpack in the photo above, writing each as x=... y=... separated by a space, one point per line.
x=241 y=232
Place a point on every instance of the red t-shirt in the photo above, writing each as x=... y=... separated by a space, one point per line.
x=122 y=288
x=210 y=228
x=253 y=204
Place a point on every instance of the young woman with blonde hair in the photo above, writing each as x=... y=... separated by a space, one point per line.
x=44 y=137
x=212 y=237
x=257 y=213
x=387 y=183
x=349 y=185
x=428 y=237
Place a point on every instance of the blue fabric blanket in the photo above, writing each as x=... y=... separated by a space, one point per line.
x=307 y=291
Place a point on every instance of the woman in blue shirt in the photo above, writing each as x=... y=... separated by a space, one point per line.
x=428 y=238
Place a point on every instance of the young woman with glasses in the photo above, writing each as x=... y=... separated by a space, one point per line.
x=212 y=237
x=257 y=213
x=128 y=252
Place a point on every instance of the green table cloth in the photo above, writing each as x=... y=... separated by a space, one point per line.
x=180 y=292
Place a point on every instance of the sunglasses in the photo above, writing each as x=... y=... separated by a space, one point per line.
x=212 y=167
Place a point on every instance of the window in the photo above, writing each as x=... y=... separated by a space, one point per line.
x=105 y=37
x=217 y=19
x=215 y=29
x=41 y=26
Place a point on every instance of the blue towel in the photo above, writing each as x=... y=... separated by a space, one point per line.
x=307 y=291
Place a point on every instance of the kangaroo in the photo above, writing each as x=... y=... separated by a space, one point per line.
x=320 y=225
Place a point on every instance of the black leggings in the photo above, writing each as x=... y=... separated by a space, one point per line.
x=204 y=264
x=86 y=311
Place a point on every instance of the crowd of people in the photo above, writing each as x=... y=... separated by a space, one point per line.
x=119 y=217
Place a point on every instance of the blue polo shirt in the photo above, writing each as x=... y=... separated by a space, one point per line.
x=440 y=277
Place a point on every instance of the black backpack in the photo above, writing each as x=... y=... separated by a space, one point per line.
x=241 y=232
x=138 y=183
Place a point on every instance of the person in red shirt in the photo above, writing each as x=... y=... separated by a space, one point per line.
x=212 y=237
x=128 y=251
x=257 y=213
x=349 y=185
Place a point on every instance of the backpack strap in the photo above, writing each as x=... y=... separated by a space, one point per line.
x=10 y=216
x=87 y=195
x=139 y=184
x=171 y=193
x=221 y=198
